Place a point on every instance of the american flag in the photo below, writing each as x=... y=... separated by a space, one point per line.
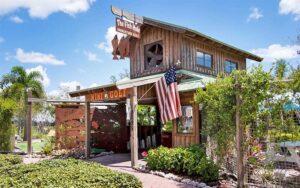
x=168 y=96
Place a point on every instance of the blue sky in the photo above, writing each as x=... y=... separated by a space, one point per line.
x=67 y=40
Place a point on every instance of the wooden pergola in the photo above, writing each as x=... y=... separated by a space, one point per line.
x=120 y=92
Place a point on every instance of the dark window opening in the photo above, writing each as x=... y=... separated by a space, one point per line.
x=153 y=55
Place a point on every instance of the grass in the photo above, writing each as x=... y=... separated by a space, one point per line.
x=36 y=146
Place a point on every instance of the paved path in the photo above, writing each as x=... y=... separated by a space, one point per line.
x=121 y=162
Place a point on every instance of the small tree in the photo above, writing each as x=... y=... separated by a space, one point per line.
x=15 y=85
x=7 y=131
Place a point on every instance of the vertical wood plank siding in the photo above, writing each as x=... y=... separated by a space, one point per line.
x=176 y=47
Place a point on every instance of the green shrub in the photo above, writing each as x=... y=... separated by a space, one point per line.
x=8 y=160
x=48 y=146
x=190 y=161
x=65 y=173
x=7 y=130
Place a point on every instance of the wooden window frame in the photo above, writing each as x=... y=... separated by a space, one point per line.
x=205 y=53
x=144 y=50
x=231 y=61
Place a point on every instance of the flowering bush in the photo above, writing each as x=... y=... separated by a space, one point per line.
x=144 y=153
x=190 y=161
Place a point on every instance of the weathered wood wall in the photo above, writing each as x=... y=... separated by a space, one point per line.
x=69 y=126
x=189 y=48
x=171 y=50
x=109 y=130
x=176 y=47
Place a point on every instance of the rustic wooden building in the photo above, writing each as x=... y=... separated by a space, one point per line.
x=198 y=58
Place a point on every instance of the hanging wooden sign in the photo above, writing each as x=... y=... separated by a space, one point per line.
x=128 y=28
x=107 y=95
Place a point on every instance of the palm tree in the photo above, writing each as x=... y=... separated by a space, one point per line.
x=281 y=69
x=15 y=85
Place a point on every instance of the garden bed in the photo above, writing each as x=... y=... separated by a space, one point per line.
x=61 y=173
x=191 y=165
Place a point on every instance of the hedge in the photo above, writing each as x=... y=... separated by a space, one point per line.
x=64 y=173
x=190 y=161
x=8 y=160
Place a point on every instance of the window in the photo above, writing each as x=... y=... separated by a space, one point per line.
x=153 y=55
x=204 y=59
x=185 y=123
x=230 y=66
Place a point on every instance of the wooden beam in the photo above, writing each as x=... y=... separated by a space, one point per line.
x=87 y=130
x=239 y=137
x=29 y=122
x=133 y=129
x=130 y=16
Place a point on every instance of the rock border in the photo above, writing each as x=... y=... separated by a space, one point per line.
x=170 y=176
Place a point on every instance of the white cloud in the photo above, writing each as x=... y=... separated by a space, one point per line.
x=290 y=7
x=92 y=56
x=37 y=57
x=43 y=8
x=277 y=51
x=110 y=33
x=63 y=90
x=46 y=80
x=255 y=14
x=16 y=19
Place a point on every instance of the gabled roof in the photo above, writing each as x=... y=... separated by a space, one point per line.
x=193 y=33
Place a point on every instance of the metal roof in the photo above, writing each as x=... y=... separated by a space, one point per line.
x=181 y=29
x=198 y=81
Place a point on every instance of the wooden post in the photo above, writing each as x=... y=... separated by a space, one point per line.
x=239 y=137
x=87 y=130
x=133 y=129
x=28 y=122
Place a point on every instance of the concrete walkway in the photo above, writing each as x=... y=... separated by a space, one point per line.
x=121 y=162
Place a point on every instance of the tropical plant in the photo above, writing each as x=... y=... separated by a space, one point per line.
x=15 y=85
x=281 y=69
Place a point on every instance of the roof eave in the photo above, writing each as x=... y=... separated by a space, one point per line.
x=184 y=30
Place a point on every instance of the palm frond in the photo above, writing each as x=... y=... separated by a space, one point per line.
x=34 y=75
x=36 y=88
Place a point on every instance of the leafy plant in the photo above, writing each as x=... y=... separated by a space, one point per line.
x=9 y=160
x=7 y=130
x=14 y=85
x=65 y=173
x=48 y=146
x=190 y=161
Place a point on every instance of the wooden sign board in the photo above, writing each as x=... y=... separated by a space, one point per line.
x=107 y=95
x=128 y=28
